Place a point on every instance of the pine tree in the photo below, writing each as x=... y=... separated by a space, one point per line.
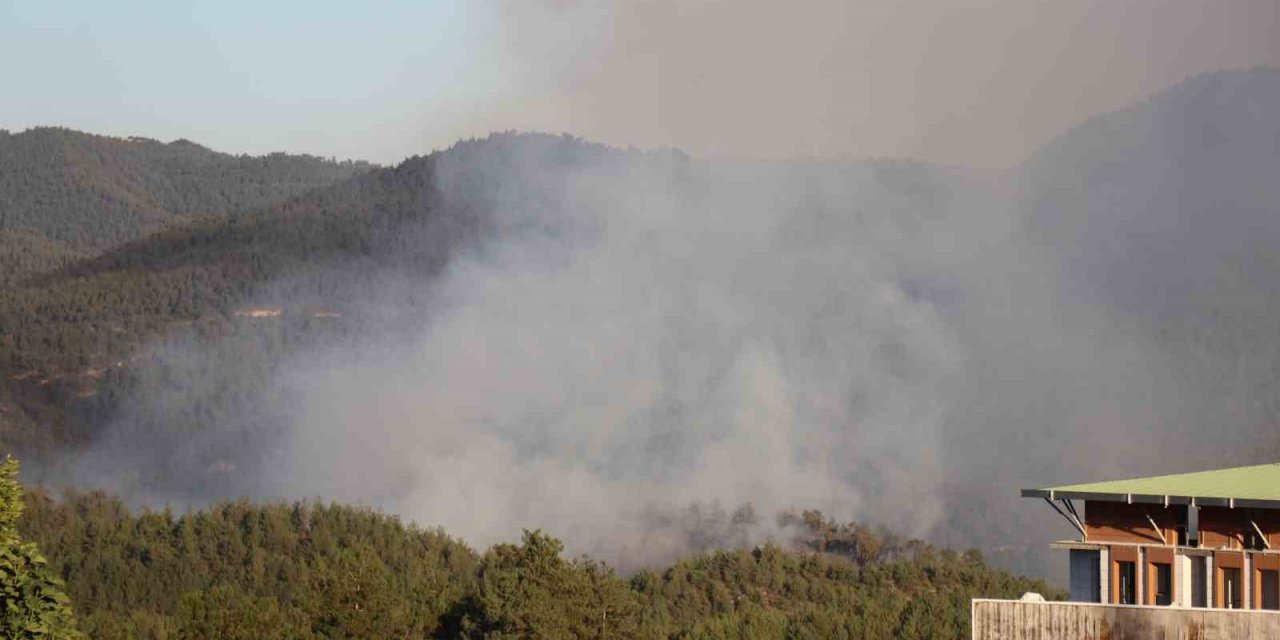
x=530 y=591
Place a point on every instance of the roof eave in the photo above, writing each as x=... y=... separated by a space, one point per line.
x=1132 y=498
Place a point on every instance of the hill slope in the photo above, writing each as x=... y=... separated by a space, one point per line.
x=84 y=192
x=66 y=333
x=1167 y=215
x=66 y=197
x=1141 y=337
x=1169 y=208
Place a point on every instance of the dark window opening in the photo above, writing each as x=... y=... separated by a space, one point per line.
x=1231 y=588
x=1086 y=584
x=1270 y=587
x=1126 y=581
x=1164 y=585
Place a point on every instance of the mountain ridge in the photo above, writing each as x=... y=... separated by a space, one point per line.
x=92 y=192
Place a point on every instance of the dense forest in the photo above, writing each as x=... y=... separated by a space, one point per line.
x=313 y=570
x=69 y=198
x=87 y=192
x=86 y=225
x=73 y=322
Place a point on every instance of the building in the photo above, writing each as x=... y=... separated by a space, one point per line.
x=1194 y=555
x=1194 y=540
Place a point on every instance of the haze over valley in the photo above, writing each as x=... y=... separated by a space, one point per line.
x=537 y=331
x=616 y=331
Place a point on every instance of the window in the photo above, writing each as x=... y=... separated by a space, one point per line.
x=1231 y=588
x=1127 y=583
x=1270 y=588
x=1085 y=579
x=1164 y=585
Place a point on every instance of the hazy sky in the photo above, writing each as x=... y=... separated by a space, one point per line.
x=972 y=82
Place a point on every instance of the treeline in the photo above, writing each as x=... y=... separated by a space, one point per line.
x=311 y=570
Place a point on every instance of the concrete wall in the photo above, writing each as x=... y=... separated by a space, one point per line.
x=1016 y=620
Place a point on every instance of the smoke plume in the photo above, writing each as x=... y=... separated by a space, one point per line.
x=627 y=334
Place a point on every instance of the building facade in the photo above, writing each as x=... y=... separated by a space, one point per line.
x=1207 y=540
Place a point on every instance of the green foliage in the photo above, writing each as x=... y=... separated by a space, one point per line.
x=78 y=313
x=748 y=621
x=316 y=571
x=303 y=569
x=65 y=198
x=84 y=190
x=529 y=590
x=226 y=613
x=32 y=601
x=356 y=596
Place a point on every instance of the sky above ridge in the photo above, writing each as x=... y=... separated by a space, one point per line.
x=978 y=83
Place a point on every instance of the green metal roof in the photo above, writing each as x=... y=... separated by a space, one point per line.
x=1254 y=486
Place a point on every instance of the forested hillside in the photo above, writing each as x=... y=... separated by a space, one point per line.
x=311 y=570
x=87 y=192
x=317 y=248
x=65 y=198
x=1150 y=231
x=70 y=337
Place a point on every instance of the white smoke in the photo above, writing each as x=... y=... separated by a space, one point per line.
x=657 y=336
x=624 y=335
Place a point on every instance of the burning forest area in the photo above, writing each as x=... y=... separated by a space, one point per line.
x=618 y=330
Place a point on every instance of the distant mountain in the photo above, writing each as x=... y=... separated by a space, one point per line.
x=1169 y=208
x=1154 y=339
x=81 y=192
x=66 y=197
x=1167 y=215
x=63 y=330
x=316 y=246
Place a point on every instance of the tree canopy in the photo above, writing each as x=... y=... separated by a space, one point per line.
x=312 y=570
x=33 y=603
